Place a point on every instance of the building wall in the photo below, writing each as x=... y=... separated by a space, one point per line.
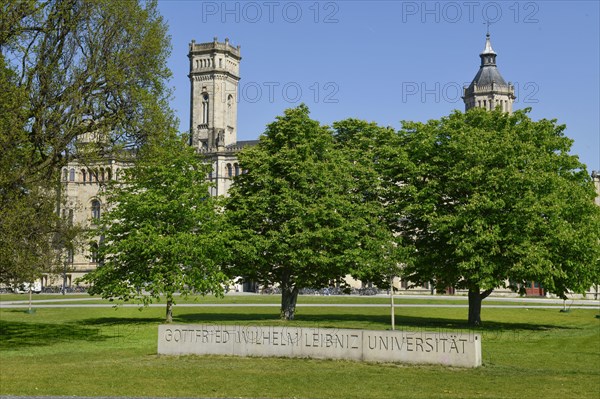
x=83 y=201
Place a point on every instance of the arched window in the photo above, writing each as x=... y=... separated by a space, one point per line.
x=95 y=209
x=109 y=174
x=72 y=174
x=205 y=108
x=237 y=169
x=65 y=174
x=229 y=170
x=70 y=256
x=83 y=175
x=102 y=174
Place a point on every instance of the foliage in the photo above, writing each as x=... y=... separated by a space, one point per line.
x=28 y=223
x=162 y=234
x=71 y=71
x=383 y=250
x=490 y=197
x=295 y=214
x=89 y=68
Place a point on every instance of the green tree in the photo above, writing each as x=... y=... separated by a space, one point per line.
x=491 y=198
x=162 y=234
x=70 y=69
x=88 y=67
x=29 y=225
x=293 y=214
x=383 y=249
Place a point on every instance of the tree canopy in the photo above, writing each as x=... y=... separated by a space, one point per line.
x=70 y=70
x=294 y=214
x=87 y=67
x=162 y=234
x=491 y=199
x=29 y=226
x=368 y=148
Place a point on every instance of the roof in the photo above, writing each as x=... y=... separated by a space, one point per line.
x=488 y=72
x=246 y=143
x=486 y=75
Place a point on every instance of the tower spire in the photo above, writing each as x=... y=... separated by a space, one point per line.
x=488 y=88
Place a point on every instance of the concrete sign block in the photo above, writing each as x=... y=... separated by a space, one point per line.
x=446 y=348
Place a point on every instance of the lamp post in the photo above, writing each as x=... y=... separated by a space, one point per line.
x=392 y=302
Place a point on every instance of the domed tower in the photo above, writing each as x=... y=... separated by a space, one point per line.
x=489 y=89
x=214 y=76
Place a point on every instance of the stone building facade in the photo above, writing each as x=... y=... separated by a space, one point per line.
x=83 y=203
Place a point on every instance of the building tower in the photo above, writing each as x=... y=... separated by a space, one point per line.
x=488 y=89
x=214 y=76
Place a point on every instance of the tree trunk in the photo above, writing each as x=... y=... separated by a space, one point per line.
x=289 y=297
x=475 y=299
x=169 y=315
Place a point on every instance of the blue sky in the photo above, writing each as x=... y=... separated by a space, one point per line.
x=388 y=61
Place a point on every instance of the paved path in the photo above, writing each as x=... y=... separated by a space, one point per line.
x=541 y=303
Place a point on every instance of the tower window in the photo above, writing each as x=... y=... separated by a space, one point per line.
x=229 y=170
x=230 y=110
x=205 y=104
x=72 y=175
x=237 y=169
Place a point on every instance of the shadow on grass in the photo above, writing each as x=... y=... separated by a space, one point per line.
x=349 y=320
x=225 y=317
x=112 y=321
x=17 y=334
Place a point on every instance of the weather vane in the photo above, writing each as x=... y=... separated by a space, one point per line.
x=488 y=23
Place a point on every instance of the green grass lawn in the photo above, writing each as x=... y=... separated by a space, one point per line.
x=527 y=353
